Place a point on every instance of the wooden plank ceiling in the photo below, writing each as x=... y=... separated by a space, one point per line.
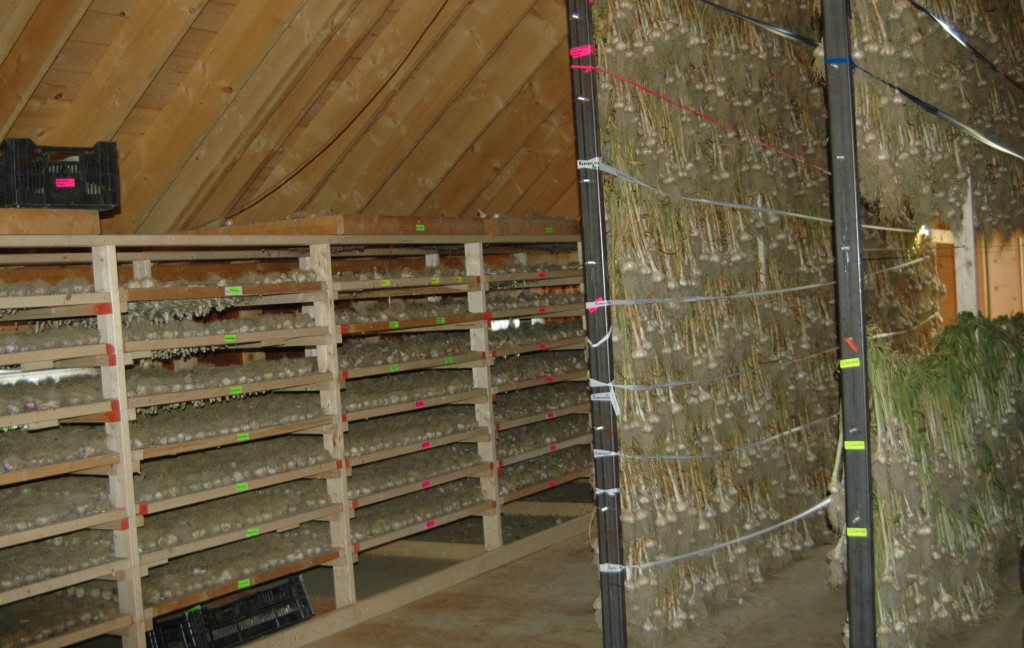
x=256 y=110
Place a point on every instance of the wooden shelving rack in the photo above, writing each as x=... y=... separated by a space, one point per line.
x=321 y=443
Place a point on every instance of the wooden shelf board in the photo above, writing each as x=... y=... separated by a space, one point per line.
x=559 y=310
x=29 y=302
x=52 y=356
x=462 y=397
x=434 y=480
x=538 y=452
x=51 y=417
x=216 y=392
x=63 y=468
x=577 y=374
x=105 y=570
x=222 y=290
x=582 y=408
x=353 y=286
x=413 y=529
x=151 y=508
x=572 y=343
x=207 y=443
x=473 y=357
x=161 y=556
x=545 y=485
x=478 y=434
x=405 y=325
x=60 y=528
x=283 y=337
x=113 y=626
x=201 y=596
x=418 y=291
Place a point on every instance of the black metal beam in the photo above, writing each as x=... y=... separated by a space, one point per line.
x=595 y=266
x=839 y=68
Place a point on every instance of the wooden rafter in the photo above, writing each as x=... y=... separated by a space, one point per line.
x=193 y=109
x=255 y=103
x=467 y=117
x=366 y=88
x=220 y=200
x=28 y=59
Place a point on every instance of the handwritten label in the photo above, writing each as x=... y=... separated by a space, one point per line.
x=245 y=582
x=849 y=363
x=232 y=291
x=441 y=320
x=856 y=532
x=64 y=183
x=855 y=445
x=251 y=533
x=242 y=436
x=241 y=487
x=230 y=339
x=393 y=325
x=237 y=389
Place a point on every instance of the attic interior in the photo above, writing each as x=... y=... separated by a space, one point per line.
x=333 y=325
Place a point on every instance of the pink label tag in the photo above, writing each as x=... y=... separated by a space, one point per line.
x=425 y=444
x=542 y=274
x=554 y=446
x=551 y=415
x=550 y=379
x=543 y=347
x=552 y=483
x=593 y=309
x=64 y=183
x=420 y=403
x=426 y=484
x=543 y=309
x=431 y=524
x=582 y=50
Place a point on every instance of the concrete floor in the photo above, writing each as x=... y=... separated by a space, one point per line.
x=545 y=601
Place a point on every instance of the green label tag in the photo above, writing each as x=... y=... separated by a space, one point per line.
x=855 y=445
x=421 y=228
x=449 y=360
x=386 y=283
x=435 y=280
x=856 y=532
x=233 y=291
x=230 y=338
x=251 y=533
x=241 y=487
x=242 y=436
x=458 y=279
x=394 y=367
x=849 y=363
x=441 y=320
x=393 y=325
x=549 y=230
x=237 y=389
x=245 y=582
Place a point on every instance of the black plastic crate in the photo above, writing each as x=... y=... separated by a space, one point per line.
x=184 y=631
x=257 y=615
x=57 y=177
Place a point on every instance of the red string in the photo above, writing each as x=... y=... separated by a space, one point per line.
x=592 y=68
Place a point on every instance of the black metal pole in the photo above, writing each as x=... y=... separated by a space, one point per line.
x=595 y=265
x=860 y=561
